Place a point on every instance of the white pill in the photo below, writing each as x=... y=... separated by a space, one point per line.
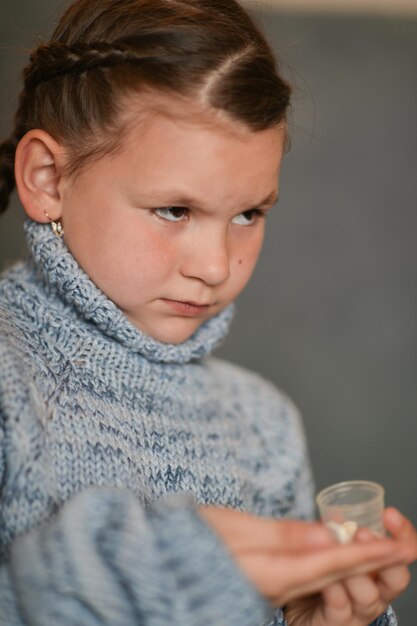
x=344 y=532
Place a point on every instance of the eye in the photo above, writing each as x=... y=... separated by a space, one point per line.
x=172 y=213
x=247 y=218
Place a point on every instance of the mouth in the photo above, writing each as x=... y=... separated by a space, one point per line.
x=189 y=308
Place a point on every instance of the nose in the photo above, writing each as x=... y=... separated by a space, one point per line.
x=207 y=258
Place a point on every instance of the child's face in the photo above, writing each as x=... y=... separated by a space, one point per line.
x=169 y=270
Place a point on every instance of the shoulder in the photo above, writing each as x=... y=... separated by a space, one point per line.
x=247 y=381
x=261 y=396
x=21 y=361
x=14 y=331
x=275 y=444
x=14 y=282
x=18 y=336
x=24 y=375
x=24 y=315
x=17 y=305
x=17 y=369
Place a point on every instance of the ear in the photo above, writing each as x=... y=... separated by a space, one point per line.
x=37 y=173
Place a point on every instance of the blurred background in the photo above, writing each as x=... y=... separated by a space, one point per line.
x=330 y=315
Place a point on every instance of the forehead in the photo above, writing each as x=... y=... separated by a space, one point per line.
x=172 y=144
x=141 y=110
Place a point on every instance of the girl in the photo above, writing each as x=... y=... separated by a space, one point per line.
x=143 y=481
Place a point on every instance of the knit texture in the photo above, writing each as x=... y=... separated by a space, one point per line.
x=108 y=441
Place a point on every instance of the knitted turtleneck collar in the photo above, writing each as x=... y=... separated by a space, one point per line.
x=61 y=273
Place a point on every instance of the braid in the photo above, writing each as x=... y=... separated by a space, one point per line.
x=8 y=153
x=102 y=50
x=56 y=59
x=7 y=179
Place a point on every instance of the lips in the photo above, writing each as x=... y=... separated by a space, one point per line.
x=189 y=309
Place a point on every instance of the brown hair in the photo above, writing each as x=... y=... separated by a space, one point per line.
x=102 y=50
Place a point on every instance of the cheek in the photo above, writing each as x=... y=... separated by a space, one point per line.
x=145 y=258
x=124 y=260
x=246 y=258
x=248 y=249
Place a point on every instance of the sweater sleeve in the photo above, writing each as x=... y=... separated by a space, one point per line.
x=104 y=560
x=387 y=619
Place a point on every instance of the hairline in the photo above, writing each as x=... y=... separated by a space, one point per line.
x=140 y=107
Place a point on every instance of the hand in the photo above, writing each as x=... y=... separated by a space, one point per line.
x=289 y=559
x=359 y=600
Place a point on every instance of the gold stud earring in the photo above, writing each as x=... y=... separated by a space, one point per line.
x=56 y=226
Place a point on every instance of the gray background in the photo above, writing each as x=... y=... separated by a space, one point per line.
x=330 y=315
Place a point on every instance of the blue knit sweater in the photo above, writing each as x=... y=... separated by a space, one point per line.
x=108 y=441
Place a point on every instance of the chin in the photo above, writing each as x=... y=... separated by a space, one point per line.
x=173 y=338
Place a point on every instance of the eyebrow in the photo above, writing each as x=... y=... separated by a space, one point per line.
x=183 y=200
x=272 y=198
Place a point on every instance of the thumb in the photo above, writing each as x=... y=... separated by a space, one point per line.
x=246 y=532
x=402 y=530
x=299 y=536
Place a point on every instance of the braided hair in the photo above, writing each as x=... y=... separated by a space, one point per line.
x=102 y=50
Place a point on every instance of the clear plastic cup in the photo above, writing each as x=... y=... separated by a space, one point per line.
x=347 y=506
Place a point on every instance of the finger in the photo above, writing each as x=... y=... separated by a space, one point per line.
x=293 y=536
x=402 y=530
x=398 y=525
x=392 y=581
x=364 y=535
x=342 y=604
x=299 y=575
x=337 y=608
x=290 y=536
x=349 y=560
x=244 y=532
x=365 y=596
